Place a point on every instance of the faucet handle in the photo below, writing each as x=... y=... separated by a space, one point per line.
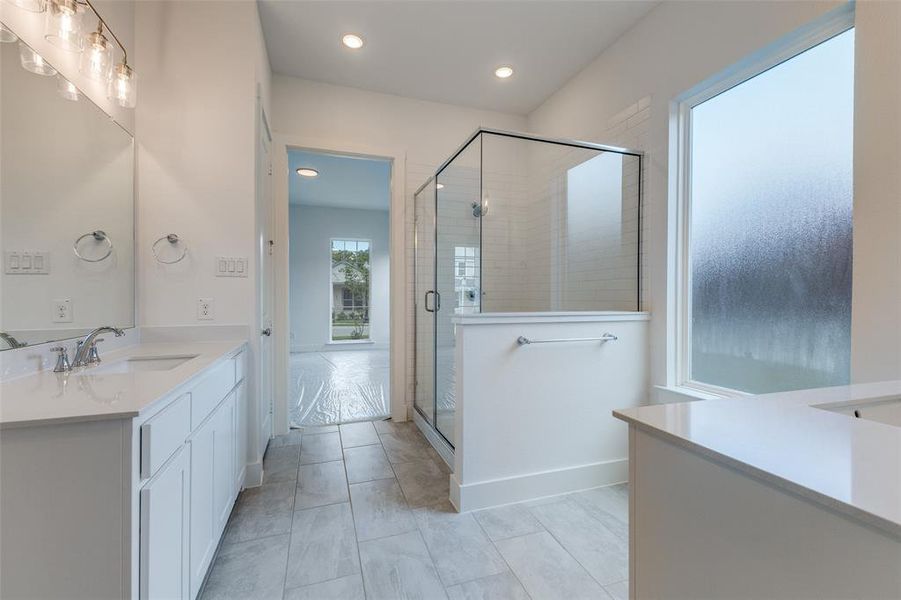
x=62 y=360
x=93 y=353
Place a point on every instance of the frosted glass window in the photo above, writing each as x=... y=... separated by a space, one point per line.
x=770 y=226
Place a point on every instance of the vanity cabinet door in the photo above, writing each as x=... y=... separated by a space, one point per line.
x=203 y=539
x=165 y=518
x=240 y=435
x=224 y=462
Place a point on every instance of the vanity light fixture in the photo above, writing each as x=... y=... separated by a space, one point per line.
x=6 y=35
x=307 y=172
x=34 y=62
x=67 y=89
x=352 y=41
x=97 y=57
x=503 y=72
x=62 y=25
x=62 y=28
x=36 y=6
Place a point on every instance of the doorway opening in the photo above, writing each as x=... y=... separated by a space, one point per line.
x=339 y=288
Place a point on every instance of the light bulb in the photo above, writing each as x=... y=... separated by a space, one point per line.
x=6 y=35
x=97 y=57
x=503 y=72
x=352 y=41
x=29 y=5
x=62 y=26
x=67 y=89
x=34 y=62
x=123 y=86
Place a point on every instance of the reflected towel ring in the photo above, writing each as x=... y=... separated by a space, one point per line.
x=99 y=236
x=172 y=239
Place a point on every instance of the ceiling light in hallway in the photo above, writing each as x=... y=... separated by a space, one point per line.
x=503 y=72
x=307 y=172
x=352 y=41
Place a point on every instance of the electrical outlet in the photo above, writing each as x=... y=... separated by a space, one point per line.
x=204 y=309
x=62 y=310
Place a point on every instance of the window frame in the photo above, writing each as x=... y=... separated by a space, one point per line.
x=828 y=26
x=331 y=292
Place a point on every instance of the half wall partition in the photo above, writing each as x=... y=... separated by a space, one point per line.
x=514 y=223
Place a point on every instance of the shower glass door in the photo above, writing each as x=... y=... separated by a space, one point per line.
x=457 y=270
x=424 y=300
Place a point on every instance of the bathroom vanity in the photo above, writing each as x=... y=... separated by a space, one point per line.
x=116 y=481
x=788 y=495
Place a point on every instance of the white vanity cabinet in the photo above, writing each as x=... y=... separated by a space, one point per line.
x=126 y=506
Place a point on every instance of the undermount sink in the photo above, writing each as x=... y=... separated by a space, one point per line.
x=881 y=411
x=137 y=364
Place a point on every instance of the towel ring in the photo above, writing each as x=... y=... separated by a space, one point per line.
x=99 y=236
x=172 y=239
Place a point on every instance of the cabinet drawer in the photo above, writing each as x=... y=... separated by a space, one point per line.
x=163 y=434
x=211 y=390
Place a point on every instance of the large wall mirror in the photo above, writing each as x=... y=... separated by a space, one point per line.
x=66 y=208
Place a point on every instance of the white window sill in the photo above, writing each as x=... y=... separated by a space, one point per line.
x=667 y=394
x=349 y=342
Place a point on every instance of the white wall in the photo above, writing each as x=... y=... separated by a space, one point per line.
x=680 y=44
x=312 y=229
x=426 y=133
x=201 y=66
x=535 y=420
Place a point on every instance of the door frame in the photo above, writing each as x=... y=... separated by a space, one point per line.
x=281 y=145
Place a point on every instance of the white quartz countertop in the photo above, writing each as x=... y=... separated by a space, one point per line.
x=849 y=465
x=90 y=394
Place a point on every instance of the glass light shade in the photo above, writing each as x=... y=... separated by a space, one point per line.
x=34 y=62
x=29 y=5
x=123 y=86
x=67 y=89
x=62 y=25
x=97 y=57
x=6 y=35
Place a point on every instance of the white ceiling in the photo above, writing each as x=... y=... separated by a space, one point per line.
x=446 y=50
x=343 y=181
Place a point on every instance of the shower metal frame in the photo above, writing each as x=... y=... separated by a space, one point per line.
x=639 y=154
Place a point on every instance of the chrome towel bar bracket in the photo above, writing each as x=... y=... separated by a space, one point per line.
x=607 y=337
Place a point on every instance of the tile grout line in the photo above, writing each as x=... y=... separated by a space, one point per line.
x=501 y=554
x=353 y=515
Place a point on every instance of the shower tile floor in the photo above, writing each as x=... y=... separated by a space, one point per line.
x=360 y=511
x=338 y=387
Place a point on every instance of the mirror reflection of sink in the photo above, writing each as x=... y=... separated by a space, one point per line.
x=138 y=364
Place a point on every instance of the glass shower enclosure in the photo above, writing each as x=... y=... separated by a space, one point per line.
x=517 y=223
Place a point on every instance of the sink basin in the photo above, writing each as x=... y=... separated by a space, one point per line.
x=881 y=411
x=138 y=364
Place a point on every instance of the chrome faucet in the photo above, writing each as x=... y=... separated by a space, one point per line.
x=86 y=352
x=11 y=341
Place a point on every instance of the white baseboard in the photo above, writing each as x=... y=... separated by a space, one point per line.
x=485 y=494
x=253 y=475
x=338 y=347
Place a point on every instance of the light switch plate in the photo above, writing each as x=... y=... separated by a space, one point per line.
x=26 y=262
x=231 y=266
x=62 y=310
x=205 y=309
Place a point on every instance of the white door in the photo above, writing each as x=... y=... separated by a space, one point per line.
x=265 y=240
x=164 y=532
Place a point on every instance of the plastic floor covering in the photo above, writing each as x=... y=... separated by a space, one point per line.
x=338 y=387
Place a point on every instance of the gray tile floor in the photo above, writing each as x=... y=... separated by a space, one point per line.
x=360 y=511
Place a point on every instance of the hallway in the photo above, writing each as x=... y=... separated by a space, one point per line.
x=343 y=386
x=361 y=511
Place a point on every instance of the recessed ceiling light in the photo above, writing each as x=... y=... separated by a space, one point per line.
x=503 y=72
x=440 y=186
x=352 y=41
x=307 y=172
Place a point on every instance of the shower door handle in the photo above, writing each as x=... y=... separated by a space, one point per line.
x=437 y=301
